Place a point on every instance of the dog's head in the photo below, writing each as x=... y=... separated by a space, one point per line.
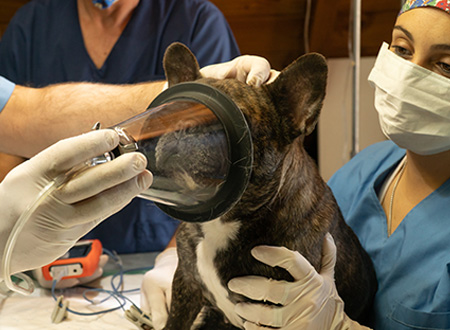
x=279 y=114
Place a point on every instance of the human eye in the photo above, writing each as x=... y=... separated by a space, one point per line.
x=401 y=51
x=445 y=68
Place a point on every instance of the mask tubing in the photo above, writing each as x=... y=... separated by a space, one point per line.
x=20 y=224
x=12 y=240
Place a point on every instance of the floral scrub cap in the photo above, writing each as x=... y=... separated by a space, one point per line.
x=411 y=4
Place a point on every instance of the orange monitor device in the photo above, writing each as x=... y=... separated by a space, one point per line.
x=81 y=261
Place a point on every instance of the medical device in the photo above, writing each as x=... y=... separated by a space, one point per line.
x=198 y=147
x=80 y=261
x=101 y=295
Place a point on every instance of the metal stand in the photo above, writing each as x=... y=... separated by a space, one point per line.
x=356 y=56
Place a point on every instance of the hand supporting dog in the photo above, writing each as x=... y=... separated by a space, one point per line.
x=253 y=70
x=310 y=302
x=156 y=289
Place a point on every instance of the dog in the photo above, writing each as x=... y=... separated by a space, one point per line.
x=286 y=202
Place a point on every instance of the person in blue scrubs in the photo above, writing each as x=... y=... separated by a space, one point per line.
x=395 y=195
x=53 y=41
x=48 y=41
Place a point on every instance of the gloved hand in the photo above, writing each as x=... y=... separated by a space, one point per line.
x=253 y=70
x=156 y=288
x=310 y=302
x=74 y=209
x=71 y=282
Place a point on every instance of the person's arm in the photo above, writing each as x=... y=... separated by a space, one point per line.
x=172 y=243
x=7 y=163
x=35 y=118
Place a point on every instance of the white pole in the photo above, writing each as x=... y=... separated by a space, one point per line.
x=356 y=75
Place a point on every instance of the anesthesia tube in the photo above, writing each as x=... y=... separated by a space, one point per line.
x=25 y=216
x=12 y=239
x=17 y=229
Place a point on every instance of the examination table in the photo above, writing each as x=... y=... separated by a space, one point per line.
x=34 y=312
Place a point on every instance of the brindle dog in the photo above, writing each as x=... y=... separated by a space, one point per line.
x=285 y=204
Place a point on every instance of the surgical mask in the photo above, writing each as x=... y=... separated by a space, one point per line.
x=413 y=103
x=103 y=4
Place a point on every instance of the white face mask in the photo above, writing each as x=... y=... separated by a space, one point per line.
x=413 y=103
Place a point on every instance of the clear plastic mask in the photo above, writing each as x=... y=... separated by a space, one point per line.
x=198 y=147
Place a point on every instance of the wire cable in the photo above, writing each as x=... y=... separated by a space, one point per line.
x=115 y=292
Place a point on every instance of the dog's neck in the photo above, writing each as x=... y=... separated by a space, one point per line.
x=289 y=188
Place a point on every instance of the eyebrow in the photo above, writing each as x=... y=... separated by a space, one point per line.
x=441 y=47
x=408 y=34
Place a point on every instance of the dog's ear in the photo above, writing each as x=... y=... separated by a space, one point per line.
x=180 y=65
x=298 y=93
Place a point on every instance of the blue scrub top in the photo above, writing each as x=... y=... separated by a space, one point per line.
x=413 y=264
x=43 y=44
x=6 y=89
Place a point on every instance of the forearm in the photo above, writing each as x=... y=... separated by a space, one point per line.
x=173 y=242
x=35 y=118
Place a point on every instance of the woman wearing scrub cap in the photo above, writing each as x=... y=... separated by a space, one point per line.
x=395 y=195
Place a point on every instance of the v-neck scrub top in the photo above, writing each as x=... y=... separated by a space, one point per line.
x=43 y=44
x=413 y=264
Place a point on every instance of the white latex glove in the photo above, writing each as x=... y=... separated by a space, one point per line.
x=310 y=302
x=74 y=209
x=71 y=282
x=156 y=288
x=253 y=70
